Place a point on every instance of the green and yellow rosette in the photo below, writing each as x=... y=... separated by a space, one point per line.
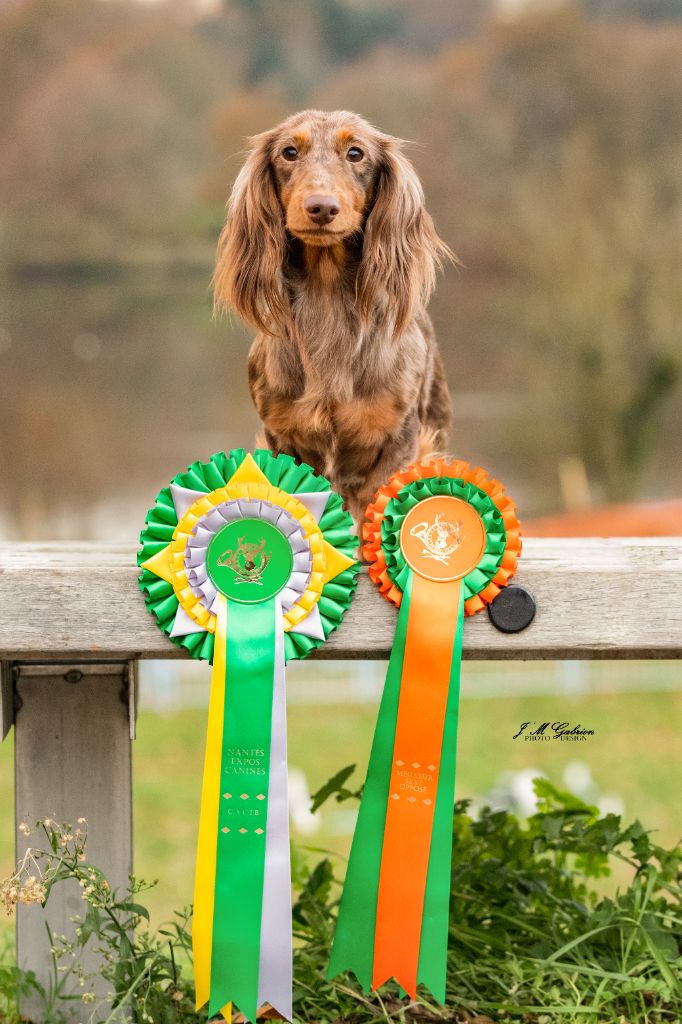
x=441 y=540
x=246 y=561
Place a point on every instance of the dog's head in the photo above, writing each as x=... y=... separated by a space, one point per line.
x=324 y=168
x=327 y=179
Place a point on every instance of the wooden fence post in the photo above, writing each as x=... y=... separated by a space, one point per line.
x=73 y=727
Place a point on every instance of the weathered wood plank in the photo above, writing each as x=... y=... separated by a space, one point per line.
x=596 y=598
x=72 y=759
x=6 y=699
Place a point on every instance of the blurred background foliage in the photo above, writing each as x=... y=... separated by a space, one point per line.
x=548 y=137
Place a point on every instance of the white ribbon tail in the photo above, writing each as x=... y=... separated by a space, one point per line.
x=275 y=979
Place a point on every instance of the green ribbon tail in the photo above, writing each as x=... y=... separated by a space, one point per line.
x=353 y=947
x=242 y=819
x=433 y=947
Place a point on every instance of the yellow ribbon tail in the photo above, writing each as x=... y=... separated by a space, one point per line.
x=204 y=881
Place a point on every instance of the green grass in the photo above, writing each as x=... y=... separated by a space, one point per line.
x=527 y=942
x=530 y=941
x=635 y=753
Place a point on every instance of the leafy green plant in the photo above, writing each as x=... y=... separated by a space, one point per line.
x=530 y=940
x=139 y=967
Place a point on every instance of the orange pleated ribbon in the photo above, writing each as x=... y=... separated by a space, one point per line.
x=441 y=540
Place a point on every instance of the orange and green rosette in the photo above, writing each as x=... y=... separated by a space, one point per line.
x=441 y=538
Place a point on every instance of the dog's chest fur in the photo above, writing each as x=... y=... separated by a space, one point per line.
x=337 y=395
x=333 y=339
x=342 y=378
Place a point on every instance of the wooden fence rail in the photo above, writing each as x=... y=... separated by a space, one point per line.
x=596 y=599
x=73 y=625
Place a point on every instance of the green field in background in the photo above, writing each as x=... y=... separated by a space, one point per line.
x=635 y=754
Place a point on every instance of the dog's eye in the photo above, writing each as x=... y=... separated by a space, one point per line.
x=290 y=153
x=354 y=154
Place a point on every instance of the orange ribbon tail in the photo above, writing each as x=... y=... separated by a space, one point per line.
x=429 y=645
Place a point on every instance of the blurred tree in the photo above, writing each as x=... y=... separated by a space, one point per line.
x=592 y=138
x=655 y=10
x=549 y=146
x=550 y=150
x=102 y=134
x=299 y=42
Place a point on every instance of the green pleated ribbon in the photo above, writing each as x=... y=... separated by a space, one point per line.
x=353 y=947
x=281 y=471
x=430 y=487
x=243 y=806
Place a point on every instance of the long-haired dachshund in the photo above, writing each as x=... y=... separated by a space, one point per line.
x=329 y=252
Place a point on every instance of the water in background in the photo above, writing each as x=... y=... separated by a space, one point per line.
x=111 y=386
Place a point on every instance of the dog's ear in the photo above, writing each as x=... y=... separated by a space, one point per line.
x=252 y=245
x=401 y=249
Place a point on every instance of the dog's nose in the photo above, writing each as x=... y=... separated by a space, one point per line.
x=321 y=209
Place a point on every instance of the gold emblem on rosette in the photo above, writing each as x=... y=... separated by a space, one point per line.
x=442 y=538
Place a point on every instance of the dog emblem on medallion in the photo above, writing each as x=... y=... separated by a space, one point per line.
x=440 y=538
x=247 y=561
